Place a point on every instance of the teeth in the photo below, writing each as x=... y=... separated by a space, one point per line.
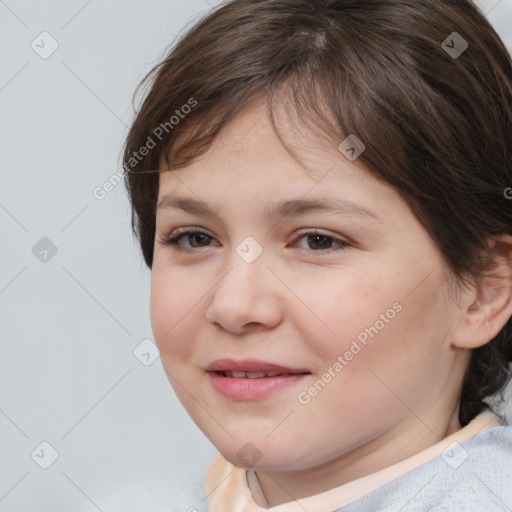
x=254 y=375
x=238 y=375
x=251 y=375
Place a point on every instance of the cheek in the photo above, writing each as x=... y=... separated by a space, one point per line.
x=374 y=322
x=174 y=303
x=337 y=307
x=390 y=336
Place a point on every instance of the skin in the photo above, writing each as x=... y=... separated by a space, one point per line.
x=302 y=305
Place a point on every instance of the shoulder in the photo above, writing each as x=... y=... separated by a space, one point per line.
x=480 y=473
x=475 y=475
x=184 y=496
x=196 y=493
x=495 y=442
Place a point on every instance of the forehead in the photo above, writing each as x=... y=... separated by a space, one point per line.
x=248 y=165
x=250 y=140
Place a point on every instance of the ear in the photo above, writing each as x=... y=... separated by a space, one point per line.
x=488 y=307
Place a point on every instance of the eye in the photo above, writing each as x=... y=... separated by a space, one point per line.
x=316 y=240
x=319 y=241
x=195 y=237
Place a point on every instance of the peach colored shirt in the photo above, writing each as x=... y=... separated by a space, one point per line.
x=230 y=488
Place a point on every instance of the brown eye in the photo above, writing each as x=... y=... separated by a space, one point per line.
x=195 y=239
x=321 y=242
x=198 y=237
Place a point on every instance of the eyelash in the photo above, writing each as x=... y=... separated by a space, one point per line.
x=178 y=235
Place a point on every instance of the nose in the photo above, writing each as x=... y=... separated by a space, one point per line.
x=248 y=296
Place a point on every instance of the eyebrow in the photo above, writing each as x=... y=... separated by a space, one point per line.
x=292 y=207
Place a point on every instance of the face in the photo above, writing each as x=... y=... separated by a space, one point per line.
x=347 y=298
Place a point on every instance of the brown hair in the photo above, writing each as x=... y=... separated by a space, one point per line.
x=437 y=125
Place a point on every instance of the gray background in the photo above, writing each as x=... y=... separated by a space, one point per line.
x=70 y=324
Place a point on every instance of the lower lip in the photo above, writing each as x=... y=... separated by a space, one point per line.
x=252 y=389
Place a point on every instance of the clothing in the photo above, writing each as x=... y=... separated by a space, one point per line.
x=469 y=470
x=163 y=494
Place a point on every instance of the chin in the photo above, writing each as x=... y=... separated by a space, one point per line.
x=260 y=455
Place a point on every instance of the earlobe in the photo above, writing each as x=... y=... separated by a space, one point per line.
x=489 y=306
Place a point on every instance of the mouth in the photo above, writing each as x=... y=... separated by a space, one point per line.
x=254 y=375
x=251 y=379
x=251 y=368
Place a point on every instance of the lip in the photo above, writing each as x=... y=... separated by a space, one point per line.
x=250 y=365
x=252 y=389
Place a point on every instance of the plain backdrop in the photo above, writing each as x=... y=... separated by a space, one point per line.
x=88 y=419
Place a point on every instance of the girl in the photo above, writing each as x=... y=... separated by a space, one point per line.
x=322 y=190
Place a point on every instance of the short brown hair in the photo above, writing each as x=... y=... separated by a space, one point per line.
x=437 y=125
